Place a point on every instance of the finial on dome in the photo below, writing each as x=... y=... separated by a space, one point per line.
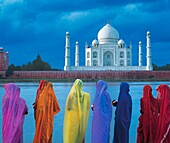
x=108 y=21
x=86 y=45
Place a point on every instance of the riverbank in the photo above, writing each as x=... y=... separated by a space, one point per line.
x=72 y=80
x=86 y=76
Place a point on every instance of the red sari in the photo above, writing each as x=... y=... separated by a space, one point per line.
x=163 y=130
x=149 y=117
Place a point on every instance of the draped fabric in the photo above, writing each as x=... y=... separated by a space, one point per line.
x=123 y=115
x=76 y=114
x=102 y=114
x=164 y=118
x=47 y=108
x=148 y=119
x=13 y=111
x=39 y=90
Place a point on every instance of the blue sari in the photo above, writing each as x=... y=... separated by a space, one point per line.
x=123 y=115
x=102 y=114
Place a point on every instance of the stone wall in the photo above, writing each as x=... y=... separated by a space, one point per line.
x=110 y=75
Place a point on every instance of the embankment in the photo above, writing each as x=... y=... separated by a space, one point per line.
x=65 y=76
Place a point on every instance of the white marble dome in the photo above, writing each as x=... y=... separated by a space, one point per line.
x=108 y=32
x=95 y=43
x=121 y=42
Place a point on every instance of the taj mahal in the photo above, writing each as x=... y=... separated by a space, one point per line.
x=108 y=52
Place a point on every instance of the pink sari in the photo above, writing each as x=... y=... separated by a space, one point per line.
x=13 y=111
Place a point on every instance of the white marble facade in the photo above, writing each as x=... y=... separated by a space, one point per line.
x=108 y=52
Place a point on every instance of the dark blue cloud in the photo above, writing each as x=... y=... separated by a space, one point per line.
x=31 y=27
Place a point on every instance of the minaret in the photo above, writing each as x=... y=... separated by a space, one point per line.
x=130 y=46
x=148 y=54
x=140 y=53
x=77 y=54
x=67 y=52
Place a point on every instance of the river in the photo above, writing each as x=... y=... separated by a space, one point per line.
x=28 y=92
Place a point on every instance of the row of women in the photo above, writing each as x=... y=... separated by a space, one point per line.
x=154 y=121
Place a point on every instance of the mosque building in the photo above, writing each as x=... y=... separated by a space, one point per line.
x=108 y=52
x=3 y=60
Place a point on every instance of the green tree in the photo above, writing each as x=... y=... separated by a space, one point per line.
x=38 y=64
x=161 y=68
x=155 y=67
x=10 y=70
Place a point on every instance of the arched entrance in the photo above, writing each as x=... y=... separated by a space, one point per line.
x=94 y=63
x=108 y=59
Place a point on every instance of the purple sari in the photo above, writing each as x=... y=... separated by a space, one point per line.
x=13 y=111
x=102 y=114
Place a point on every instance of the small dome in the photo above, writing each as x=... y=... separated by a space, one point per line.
x=67 y=33
x=1 y=49
x=95 y=43
x=121 y=42
x=108 y=32
x=148 y=33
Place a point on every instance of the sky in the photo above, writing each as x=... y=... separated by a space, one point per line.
x=32 y=27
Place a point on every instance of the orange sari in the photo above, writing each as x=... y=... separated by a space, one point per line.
x=39 y=90
x=47 y=108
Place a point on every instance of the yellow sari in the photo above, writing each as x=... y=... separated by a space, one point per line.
x=47 y=107
x=76 y=114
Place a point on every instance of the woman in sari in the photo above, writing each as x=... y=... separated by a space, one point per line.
x=76 y=114
x=163 y=129
x=102 y=114
x=149 y=117
x=123 y=115
x=13 y=110
x=47 y=108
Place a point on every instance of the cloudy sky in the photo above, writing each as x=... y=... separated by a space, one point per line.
x=32 y=27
